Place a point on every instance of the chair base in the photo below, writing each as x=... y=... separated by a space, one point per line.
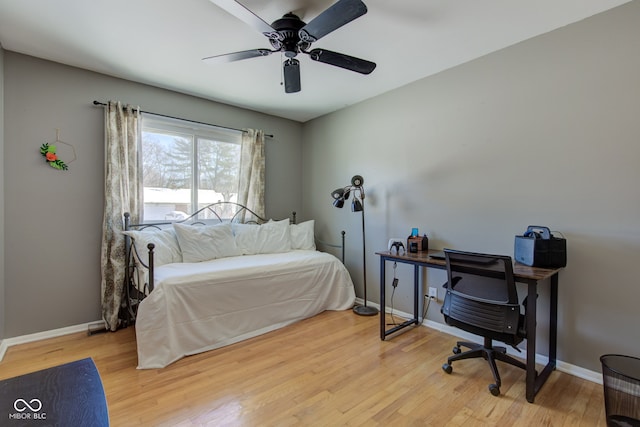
x=488 y=352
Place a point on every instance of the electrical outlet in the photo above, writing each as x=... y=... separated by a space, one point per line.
x=433 y=293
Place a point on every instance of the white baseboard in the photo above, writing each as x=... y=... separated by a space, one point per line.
x=23 y=339
x=3 y=349
x=568 y=368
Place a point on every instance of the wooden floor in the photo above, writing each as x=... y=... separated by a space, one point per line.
x=330 y=370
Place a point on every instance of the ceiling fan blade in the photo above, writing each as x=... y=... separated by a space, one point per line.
x=291 y=75
x=337 y=15
x=237 y=56
x=341 y=60
x=245 y=15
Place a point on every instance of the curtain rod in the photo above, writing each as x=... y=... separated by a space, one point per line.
x=103 y=104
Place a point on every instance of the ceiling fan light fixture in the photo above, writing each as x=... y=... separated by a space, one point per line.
x=291 y=71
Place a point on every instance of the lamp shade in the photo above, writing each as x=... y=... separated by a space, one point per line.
x=356 y=205
x=338 y=203
x=338 y=193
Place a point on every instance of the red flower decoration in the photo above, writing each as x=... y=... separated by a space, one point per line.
x=49 y=153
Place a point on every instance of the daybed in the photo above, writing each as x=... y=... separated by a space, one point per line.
x=203 y=286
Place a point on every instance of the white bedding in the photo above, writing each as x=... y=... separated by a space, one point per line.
x=201 y=306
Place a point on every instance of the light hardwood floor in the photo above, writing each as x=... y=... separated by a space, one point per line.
x=329 y=370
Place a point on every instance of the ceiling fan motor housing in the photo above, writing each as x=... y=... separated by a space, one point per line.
x=286 y=37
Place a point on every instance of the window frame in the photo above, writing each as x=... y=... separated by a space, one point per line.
x=197 y=131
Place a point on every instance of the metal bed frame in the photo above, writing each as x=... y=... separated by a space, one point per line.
x=217 y=212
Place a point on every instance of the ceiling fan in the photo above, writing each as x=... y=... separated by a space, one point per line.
x=291 y=36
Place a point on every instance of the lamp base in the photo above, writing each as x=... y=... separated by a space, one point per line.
x=364 y=310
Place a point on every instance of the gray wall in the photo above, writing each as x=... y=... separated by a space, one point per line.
x=545 y=132
x=2 y=299
x=54 y=218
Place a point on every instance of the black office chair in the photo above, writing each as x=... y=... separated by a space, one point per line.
x=481 y=298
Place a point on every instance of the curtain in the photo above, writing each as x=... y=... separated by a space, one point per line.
x=251 y=187
x=122 y=194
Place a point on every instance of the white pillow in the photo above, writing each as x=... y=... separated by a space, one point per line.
x=166 y=251
x=246 y=236
x=205 y=242
x=302 y=236
x=273 y=237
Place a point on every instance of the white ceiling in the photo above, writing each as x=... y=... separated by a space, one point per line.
x=162 y=43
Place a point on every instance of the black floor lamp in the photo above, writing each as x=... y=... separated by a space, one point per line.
x=357 y=205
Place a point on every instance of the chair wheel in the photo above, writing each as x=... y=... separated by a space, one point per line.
x=456 y=350
x=447 y=368
x=494 y=389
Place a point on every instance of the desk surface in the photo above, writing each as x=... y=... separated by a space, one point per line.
x=520 y=271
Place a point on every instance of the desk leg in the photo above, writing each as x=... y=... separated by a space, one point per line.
x=382 y=299
x=535 y=381
x=416 y=286
x=553 y=321
x=553 y=337
x=531 y=340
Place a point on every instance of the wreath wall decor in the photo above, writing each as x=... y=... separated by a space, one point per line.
x=48 y=151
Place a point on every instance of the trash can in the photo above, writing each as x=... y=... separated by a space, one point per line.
x=621 y=380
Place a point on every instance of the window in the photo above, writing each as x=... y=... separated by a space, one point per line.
x=186 y=166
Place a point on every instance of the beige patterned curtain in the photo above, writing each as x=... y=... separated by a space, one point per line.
x=122 y=194
x=251 y=188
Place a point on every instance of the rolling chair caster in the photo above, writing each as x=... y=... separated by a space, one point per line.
x=447 y=368
x=494 y=389
x=456 y=350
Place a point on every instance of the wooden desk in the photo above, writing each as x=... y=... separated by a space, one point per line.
x=523 y=274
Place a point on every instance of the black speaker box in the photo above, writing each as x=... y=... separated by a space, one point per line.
x=539 y=248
